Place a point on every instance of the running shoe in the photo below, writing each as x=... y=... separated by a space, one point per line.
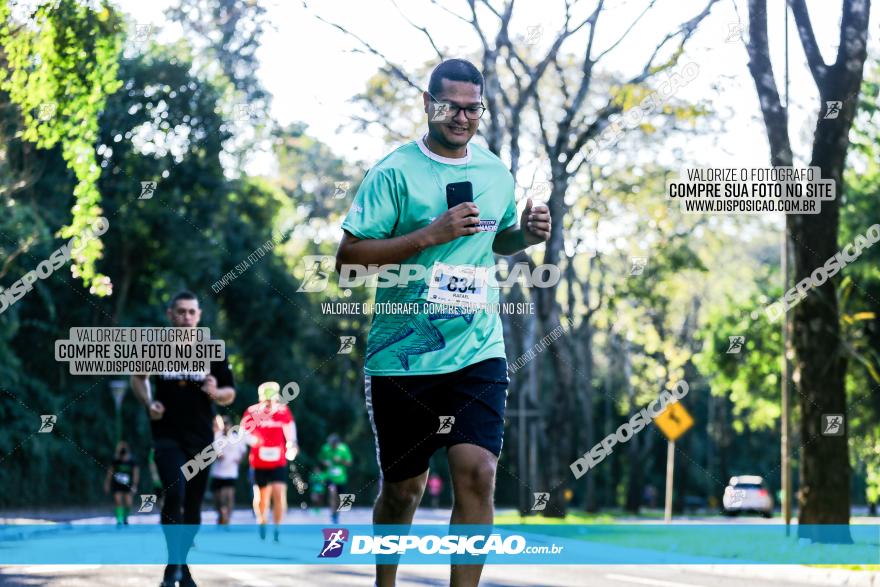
x=171 y=576
x=262 y=531
x=186 y=579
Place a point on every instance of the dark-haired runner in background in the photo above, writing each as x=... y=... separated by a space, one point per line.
x=181 y=415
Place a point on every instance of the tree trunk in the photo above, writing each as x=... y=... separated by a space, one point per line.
x=609 y=478
x=633 y=446
x=587 y=401
x=560 y=399
x=820 y=364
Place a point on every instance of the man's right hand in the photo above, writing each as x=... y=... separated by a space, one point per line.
x=156 y=410
x=460 y=220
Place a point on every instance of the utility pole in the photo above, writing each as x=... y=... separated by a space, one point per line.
x=670 y=468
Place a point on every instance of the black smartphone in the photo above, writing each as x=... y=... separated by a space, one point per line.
x=458 y=192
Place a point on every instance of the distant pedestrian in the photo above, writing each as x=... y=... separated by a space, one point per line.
x=224 y=471
x=122 y=481
x=435 y=488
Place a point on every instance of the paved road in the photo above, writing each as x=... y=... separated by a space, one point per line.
x=412 y=575
x=358 y=515
x=415 y=575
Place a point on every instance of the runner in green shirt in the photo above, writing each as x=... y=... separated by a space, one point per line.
x=435 y=370
x=336 y=458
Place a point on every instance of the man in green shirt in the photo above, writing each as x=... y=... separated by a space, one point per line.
x=436 y=376
x=336 y=458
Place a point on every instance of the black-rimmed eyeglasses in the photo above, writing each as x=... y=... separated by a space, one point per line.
x=446 y=110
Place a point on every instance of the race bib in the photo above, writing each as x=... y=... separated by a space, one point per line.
x=335 y=471
x=121 y=478
x=269 y=453
x=460 y=285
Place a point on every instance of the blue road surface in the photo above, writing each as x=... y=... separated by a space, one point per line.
x=304 y=544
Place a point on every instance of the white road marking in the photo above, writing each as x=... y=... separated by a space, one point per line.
x=49 y=569
x=646 y=581
x=245 y=578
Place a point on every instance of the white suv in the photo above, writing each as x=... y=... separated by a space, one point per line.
x=747 y=493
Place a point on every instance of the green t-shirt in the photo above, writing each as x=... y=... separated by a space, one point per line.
x=316 y=482
x=406 y=191
x=337 y=471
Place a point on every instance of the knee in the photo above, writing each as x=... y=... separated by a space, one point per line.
x=476 y=481
x=402 y=496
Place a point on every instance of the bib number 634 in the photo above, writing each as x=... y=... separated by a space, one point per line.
x=458 y=284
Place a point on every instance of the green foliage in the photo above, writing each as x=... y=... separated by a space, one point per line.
x=60 y=66
x=165 y=124
x=749 y=378
x=169 y=122
x=860 y=290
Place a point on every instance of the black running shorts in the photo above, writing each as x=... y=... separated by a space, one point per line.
x=414 y=415
x=263 y=477
x=218 y=483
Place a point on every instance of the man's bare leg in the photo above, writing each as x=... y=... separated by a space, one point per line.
x=396 y=504
x=256 y=501
x=279 y=505
x=473 y=484
x=263 y=504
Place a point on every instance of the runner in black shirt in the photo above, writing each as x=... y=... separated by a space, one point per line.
x=181 y=414
x=122 y=481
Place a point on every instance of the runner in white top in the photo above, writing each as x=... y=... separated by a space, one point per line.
x=224 y=472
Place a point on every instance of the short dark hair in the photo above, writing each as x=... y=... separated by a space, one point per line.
x=182 y=295
x=456 y=70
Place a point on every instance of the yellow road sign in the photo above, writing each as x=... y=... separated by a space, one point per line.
x=674 y=421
